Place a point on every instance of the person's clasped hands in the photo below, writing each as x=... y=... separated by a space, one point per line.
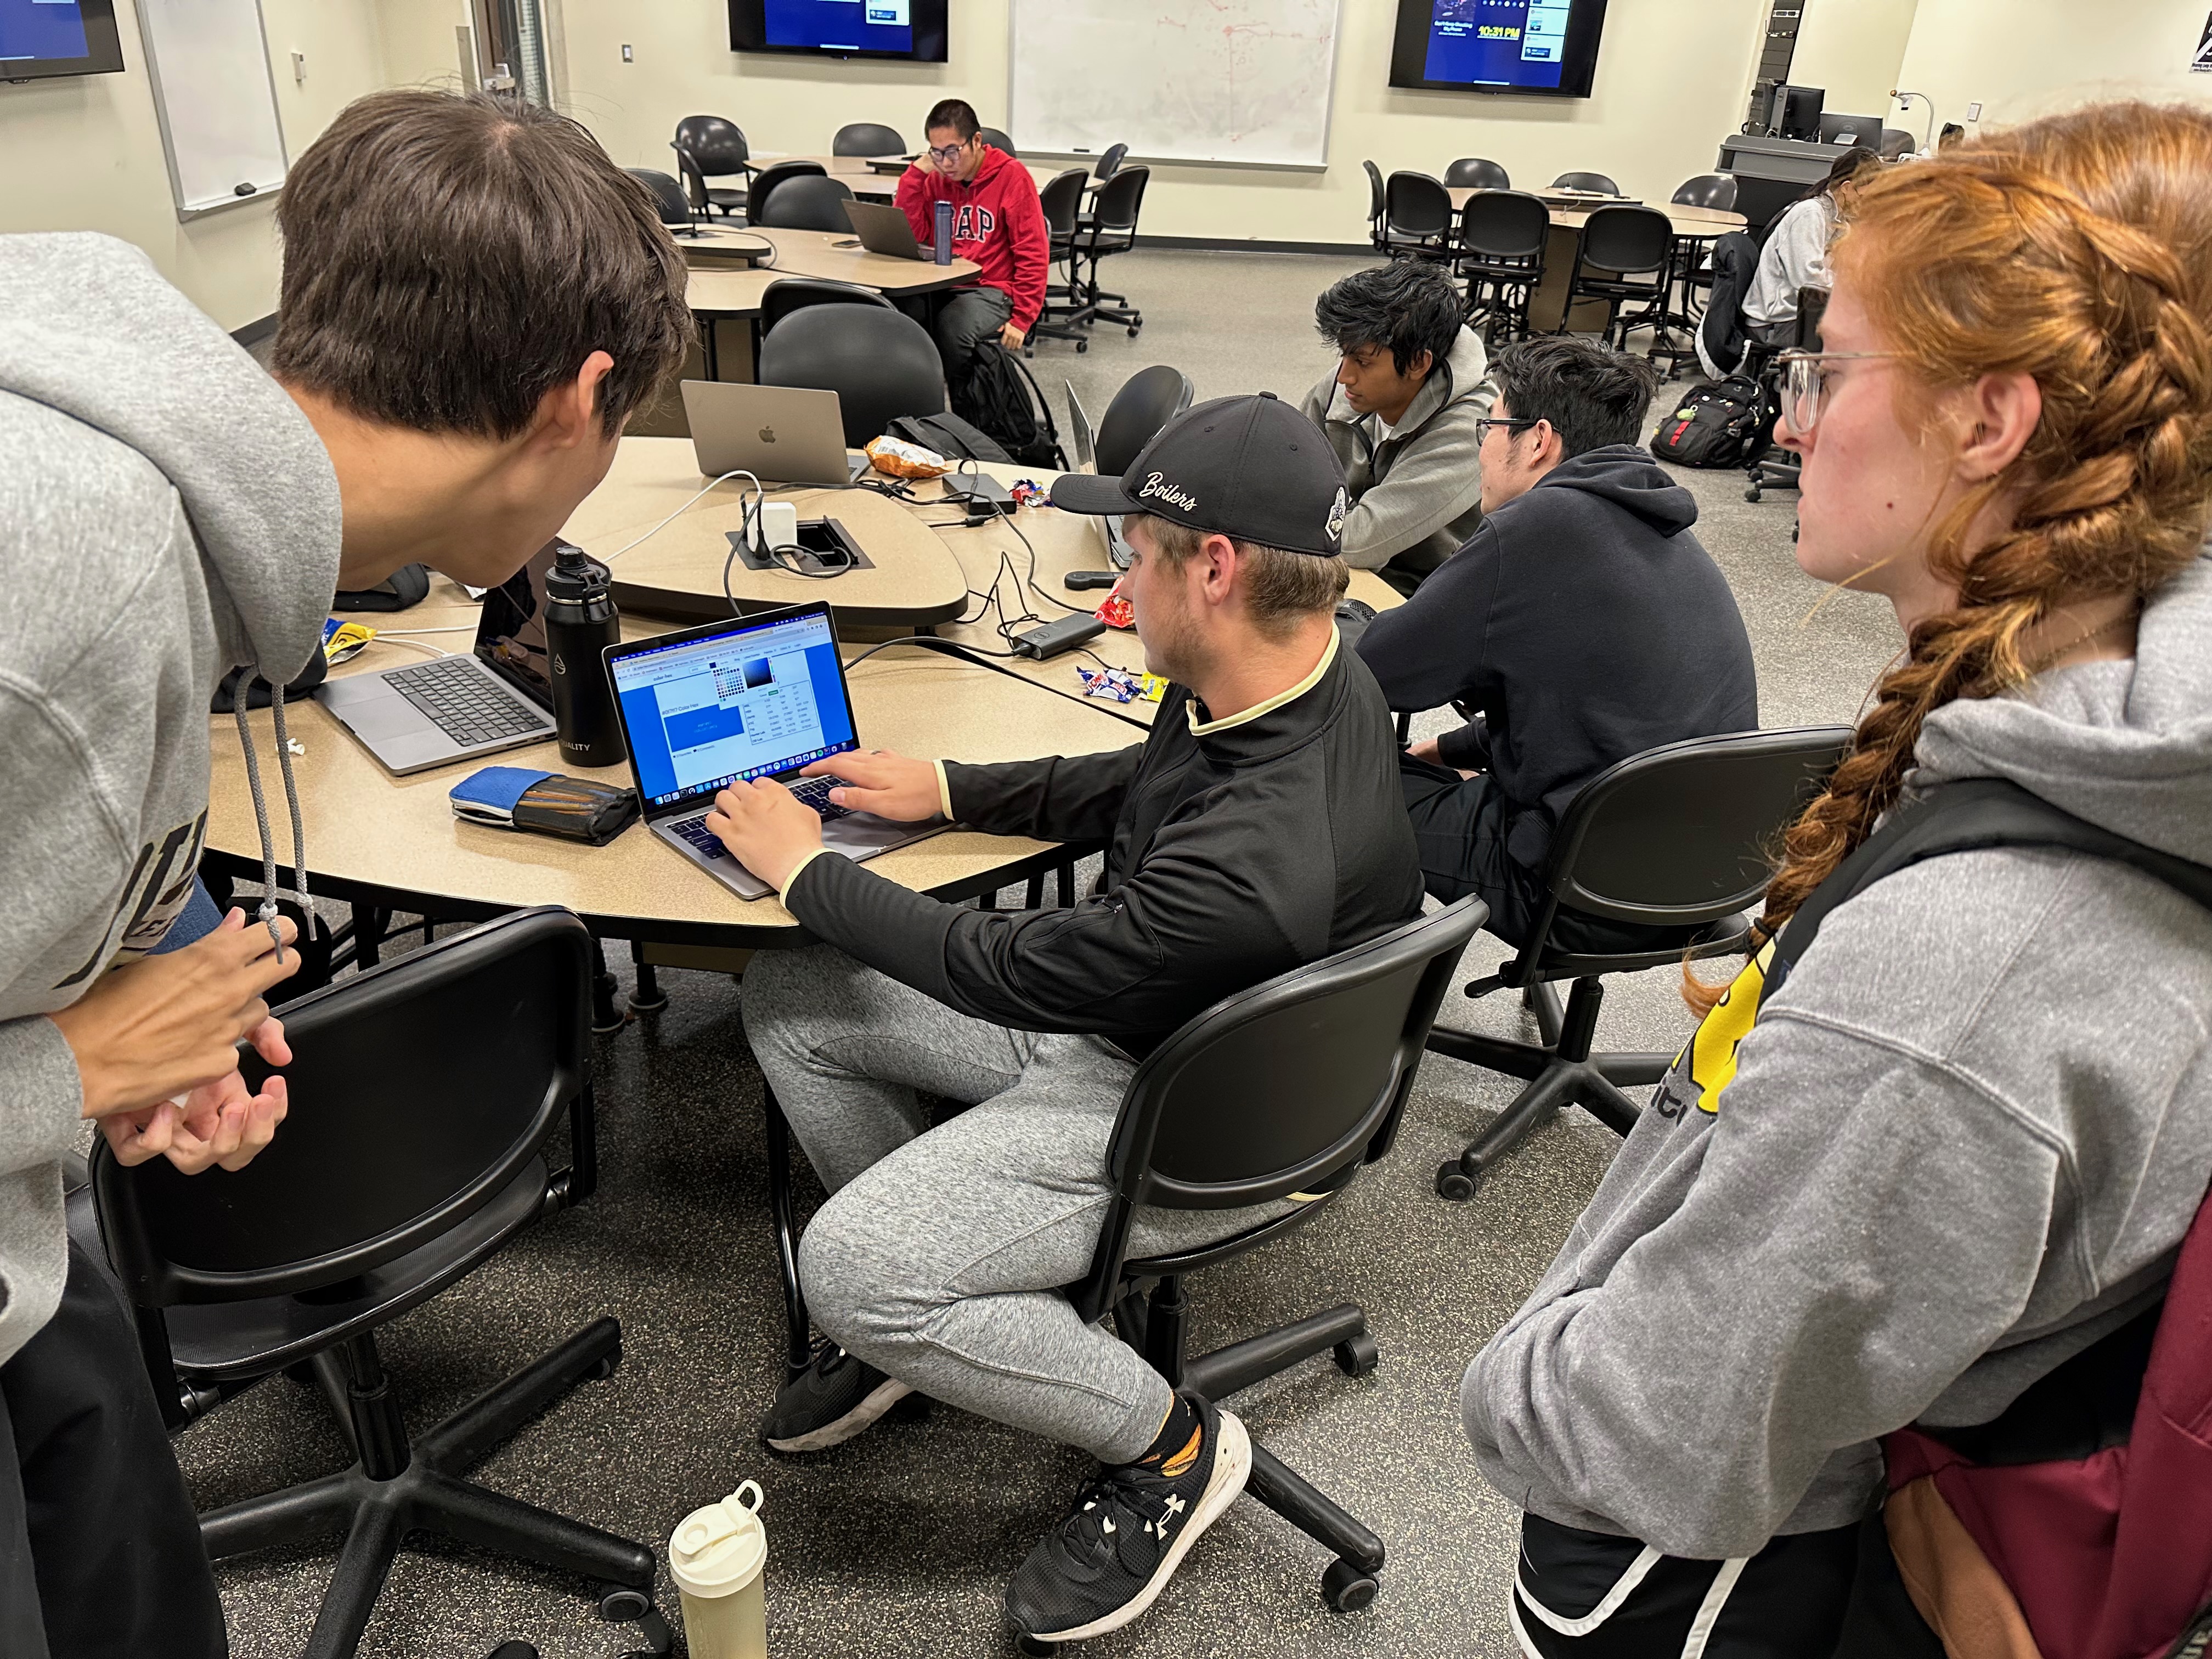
x=772 y=833
x=156 y=1047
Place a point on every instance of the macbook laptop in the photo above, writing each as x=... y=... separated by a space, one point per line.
x=757 y=697
x=456 y=707
x=884 y=228
x=1087 y=460
x=785 y=434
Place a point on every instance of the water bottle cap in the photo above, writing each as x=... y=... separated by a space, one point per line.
x=720 y=1549
x=576 y=575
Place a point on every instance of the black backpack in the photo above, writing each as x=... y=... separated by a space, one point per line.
x=948 y=435
x=1000 y=395
x=1718 y=424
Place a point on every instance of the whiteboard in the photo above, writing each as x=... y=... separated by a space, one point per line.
x=216 y=101
x=1236 y=81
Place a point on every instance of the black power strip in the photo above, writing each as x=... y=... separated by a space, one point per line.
x=1056 y=637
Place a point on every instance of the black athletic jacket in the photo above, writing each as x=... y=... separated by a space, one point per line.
x=1234 y=853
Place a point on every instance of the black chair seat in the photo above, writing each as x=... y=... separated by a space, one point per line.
x=1184 y=1261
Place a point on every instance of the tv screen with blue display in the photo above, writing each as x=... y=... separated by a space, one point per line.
x=40 y=38
x=1544 y=47
x=912 y=30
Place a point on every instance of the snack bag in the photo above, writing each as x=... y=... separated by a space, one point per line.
x=902 y=459
x=344 y=641
x=1115 y=609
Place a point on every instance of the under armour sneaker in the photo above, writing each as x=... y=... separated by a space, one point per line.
x=834 y=1399
x=1115 y=1553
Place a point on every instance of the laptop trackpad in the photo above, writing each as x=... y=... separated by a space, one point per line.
x=864 y=833
x=380 y=718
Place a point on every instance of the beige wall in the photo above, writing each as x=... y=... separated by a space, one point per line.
x=2026 y=58
x=85 y=153
x=1672 y=79
x=1853 y=49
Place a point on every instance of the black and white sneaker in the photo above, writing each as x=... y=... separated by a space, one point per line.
x=834 y=1399
x=1112 y=1557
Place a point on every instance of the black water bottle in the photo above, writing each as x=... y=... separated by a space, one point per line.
x=580 y=622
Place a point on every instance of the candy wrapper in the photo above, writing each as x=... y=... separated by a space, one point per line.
x=1115 y=609
x=1120 y=685
x=1028 y=492
x=344 y=641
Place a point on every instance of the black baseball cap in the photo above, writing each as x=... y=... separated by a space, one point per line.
x=1252 y=469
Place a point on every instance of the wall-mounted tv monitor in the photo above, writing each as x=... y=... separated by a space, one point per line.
x=910 y=29
x=1544 y=47
x=41 y=38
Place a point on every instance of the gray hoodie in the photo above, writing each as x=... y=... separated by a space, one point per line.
x=165 y=514
x=1417 y=494
x=1962 y=1141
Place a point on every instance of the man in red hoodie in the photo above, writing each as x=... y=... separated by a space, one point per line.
x=996 y=222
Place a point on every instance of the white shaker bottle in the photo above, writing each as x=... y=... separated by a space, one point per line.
x=715 y=1556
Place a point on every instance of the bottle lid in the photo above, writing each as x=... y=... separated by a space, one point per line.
x=720 y=1549
x=576 y=574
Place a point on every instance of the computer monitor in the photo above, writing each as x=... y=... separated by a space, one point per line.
x=1848 y=130
x=1794 y=111
x=43 y=37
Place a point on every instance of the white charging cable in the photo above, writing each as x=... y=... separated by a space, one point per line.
x=759 y=495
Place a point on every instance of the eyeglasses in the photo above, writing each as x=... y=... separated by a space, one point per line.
x=1805 y=384
x=1511 y=423
x=950 y=153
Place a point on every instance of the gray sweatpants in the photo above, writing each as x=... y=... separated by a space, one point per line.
x=940 y=1253
x=965 y=318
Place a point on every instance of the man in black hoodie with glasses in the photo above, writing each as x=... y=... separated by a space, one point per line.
x=1582 y=623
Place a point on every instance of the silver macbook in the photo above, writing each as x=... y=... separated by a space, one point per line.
x=456 y=707
x=786 y=433
x=1086 y=460
x=758 y=697
x=884 y=228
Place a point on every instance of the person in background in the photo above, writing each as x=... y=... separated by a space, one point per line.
x=1402 y=413
x=1796 y=253
x=997 y=221
x=444 y=391
x=1582 y=623
x=1903 y=1174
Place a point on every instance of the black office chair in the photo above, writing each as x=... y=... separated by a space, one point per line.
x=880 y=363
x=1674 y=837
x=1596 y=183
x=1061 y=202
x=705 y=202
x=788 y=294
x=1771 y=467
x=1417 y=217
x=1473 y=172
x=670 y=197
x=804 y=202
x=1108 y=229
x=773 y=178
x=867 y=138
x=1110 y=163
x=1691 y=277
x=997 y=140
x=717 y=148
x=1896 y=144
x=1623 y=256
x=435 y=1083
x=1503 y=237
x=1378 y=203
x=1707 y=189
x=1147 y=401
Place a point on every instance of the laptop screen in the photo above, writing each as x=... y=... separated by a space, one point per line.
x=1078 y=425
x=746 y=701
x=511 y=630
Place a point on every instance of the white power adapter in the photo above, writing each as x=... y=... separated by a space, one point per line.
x=771 y=525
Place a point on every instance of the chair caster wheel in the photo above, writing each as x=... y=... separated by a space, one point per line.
x=1133 y=332
x=606 y=1367
x=621 y=1605
x=1454 y=1183
x=1347 y=1589
x=1082 y=346
x=1030 y=1644
x=1751 y=494
x=1356 y=1356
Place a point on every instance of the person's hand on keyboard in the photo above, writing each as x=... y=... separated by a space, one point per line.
x=891 y=786
x=767 y=829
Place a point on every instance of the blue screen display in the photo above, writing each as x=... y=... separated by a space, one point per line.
x=835 y=25
x=41 y=28
x=748 y=702
x=1500 y=43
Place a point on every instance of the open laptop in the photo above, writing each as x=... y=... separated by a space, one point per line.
x=757 y=697
x=1087 y=460
x=785 y=434
x=884 y=228
x=448 y=708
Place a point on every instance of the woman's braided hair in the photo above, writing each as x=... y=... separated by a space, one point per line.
x=2078 y=250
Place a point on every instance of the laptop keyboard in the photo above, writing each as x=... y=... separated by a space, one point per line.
x=460 y=699
x=815 y=792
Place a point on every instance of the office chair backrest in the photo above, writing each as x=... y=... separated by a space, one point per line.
x=806 y=202
x=1378 y=200
x=1896 y=142
x=997 y=140
x=1629 y=239
x=1110 y=162
x=881 y=363
x=1118 y=200
x=1708 y=190
x=1596 y=182
x=1473 y=172
x=1061 y=202
x=1685 y=834
x=789 y=294
x=716 y=144
x=769 y=179
x=1504 y=224
x=1417 y=204
x=1147 y=401
x=668 y=196
x=1272 y=1090
x=867 y=138
x=695 y=181
x=421 y=1089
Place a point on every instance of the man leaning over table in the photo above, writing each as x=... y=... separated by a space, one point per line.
x=1256 y=827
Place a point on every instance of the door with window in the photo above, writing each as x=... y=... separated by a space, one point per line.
x=511 y=52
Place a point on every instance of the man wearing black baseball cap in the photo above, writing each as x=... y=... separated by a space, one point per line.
x=1258 y=827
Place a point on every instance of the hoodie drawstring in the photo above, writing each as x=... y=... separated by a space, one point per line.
x=268 y=912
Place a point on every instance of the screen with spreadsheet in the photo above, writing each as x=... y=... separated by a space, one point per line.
x=1543 y=47
x=745 y=702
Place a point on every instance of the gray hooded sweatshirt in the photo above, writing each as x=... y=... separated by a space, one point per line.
x=1963 y=1141
x=166 y=513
